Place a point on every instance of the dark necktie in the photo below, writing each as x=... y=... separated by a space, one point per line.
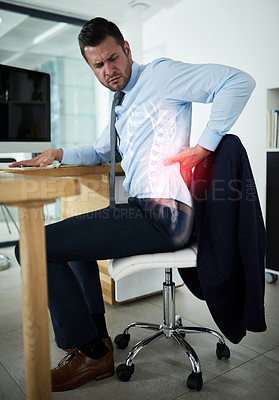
x=113 y=148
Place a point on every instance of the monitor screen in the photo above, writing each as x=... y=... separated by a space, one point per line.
x=24 y=110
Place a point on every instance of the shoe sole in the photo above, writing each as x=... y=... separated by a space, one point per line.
x=97 y=378
x=105 y=375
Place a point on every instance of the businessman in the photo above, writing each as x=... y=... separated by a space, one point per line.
x=153 y=125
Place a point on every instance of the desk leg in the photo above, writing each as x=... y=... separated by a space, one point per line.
x=34 y=301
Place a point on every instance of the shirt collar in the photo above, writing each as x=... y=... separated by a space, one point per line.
x=136 y=70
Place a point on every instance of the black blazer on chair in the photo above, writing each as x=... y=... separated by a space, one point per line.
x=231 y=241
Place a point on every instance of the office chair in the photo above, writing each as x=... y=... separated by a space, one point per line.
x=172 y=323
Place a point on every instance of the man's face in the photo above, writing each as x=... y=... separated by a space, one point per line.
x=111 y=66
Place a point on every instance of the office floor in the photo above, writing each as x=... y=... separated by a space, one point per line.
x=161 y=370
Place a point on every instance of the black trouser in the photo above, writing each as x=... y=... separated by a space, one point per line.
x=73 y=246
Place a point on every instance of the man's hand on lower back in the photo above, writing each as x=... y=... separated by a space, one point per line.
x=188 y=159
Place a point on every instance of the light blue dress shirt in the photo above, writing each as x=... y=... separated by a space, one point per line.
x=154 y=122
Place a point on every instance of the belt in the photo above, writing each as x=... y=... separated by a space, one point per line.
x=172 y=204
x=185 y=208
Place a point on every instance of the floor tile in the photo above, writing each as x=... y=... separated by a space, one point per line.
x=274 y=354
x=12 y=355
x=265 y=341
x=9 y=390
x=255 y=380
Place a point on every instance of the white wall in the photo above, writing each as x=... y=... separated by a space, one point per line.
x=240 y=33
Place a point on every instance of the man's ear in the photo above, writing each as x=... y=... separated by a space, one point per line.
x=127 y=49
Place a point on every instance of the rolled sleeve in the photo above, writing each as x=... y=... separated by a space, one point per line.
x=209 y=140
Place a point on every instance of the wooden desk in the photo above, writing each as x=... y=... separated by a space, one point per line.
x=94 y=196
x=30 y=193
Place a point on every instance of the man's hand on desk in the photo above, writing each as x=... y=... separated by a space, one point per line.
x=42 y=160
x=188 y=159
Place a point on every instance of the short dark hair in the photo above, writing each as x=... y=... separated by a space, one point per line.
x=96 y=31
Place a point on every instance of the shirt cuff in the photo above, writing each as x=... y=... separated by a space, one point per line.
x=70 y=156
x=209 y=140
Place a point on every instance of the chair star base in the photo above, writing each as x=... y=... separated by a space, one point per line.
x=171 y=327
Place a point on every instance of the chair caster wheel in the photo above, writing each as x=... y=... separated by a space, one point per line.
x=271 y=278
x=178 y=322
x=122 y=340
x=124 y=372
x=222 y=351
x=194 y=381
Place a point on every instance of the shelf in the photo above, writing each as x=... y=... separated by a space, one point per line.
x=272 y=98
x=272 y=118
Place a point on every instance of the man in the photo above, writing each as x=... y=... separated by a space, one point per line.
x=153 y=127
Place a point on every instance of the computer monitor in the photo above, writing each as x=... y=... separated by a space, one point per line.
x=24 y=110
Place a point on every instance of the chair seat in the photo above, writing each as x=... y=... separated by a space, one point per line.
x=121 y=267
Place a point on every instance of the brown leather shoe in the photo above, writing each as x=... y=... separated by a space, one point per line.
x=76 y=369
x=107 y=341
